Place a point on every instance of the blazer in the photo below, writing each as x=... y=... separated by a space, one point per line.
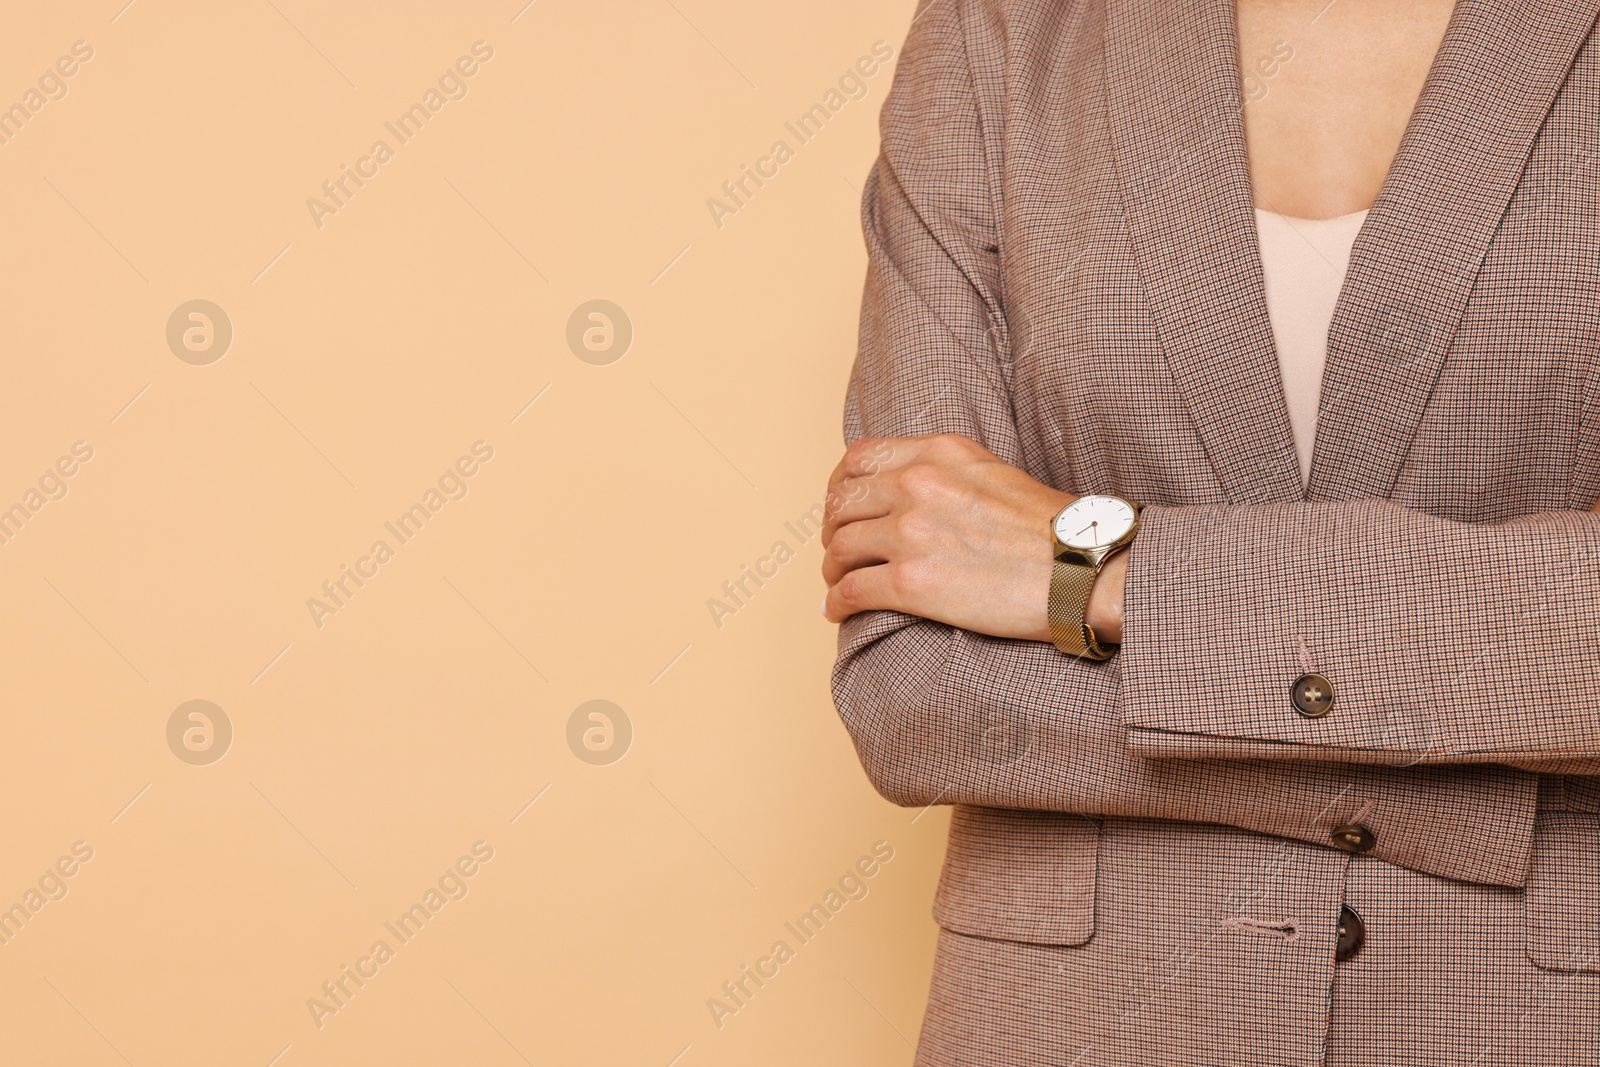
x=1148 y=856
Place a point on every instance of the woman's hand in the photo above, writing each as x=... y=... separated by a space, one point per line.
x=940 y=527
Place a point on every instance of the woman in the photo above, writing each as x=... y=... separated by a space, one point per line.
x=1304 y=765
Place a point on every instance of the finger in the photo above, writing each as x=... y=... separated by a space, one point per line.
x=869 y=455
x=864 y=463
x=867 y=589
x=854 y=477
x=861 y=544
x=856 y=499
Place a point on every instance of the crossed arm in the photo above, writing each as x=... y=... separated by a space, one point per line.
x=939 y=527
x=937 y=561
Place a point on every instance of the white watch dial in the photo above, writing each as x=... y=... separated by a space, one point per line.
x=1094 y=521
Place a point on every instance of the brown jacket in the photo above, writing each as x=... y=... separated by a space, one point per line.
x=1063 y=266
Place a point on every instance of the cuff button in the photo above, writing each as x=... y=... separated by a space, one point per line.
x=1353 y=837
x=1312 y=695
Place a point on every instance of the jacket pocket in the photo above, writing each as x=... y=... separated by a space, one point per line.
x=1562 y=900
x=1019 y=876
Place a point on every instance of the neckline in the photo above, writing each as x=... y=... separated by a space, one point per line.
x=1296 y=219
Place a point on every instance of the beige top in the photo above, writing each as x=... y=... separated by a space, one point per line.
x=1304 y=261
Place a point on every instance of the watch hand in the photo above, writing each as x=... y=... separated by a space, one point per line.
x=1091 y=526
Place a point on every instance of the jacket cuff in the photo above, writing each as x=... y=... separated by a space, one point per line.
x=1348 y=632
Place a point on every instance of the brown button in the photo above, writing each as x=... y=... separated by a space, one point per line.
x=1353 y=837
x=1312 y=695
x=1352 y=935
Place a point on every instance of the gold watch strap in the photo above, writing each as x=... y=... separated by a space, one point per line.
x=1069 y=598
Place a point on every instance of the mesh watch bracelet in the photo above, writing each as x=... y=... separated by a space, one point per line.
x=1069 y=597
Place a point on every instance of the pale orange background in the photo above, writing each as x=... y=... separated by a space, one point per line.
x=367 y=356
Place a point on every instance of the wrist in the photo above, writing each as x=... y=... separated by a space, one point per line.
x=1103 y=612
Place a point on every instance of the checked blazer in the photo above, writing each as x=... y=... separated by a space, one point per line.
x=1142 y=868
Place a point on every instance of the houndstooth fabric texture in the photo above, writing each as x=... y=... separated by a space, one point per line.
x=1063 y=266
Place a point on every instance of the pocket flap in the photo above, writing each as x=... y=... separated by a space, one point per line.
x=1562 y=899
x=1019 y=876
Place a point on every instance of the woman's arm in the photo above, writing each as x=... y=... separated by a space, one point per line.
x=1442 y=641
x=941 y=714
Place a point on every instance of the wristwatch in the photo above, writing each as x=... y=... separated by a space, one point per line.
x=1086 y=533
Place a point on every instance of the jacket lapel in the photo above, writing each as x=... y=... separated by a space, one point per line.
x=1177 y=131
x=1416 y=260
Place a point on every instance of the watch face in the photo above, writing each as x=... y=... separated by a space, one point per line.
x=1094 y=521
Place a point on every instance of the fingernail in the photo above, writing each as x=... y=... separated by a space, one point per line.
x=822 y=608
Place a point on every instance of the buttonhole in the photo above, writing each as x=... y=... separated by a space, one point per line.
x=1307 y=664
x=1288 y=931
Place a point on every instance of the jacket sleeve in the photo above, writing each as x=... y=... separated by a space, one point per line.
x=1441 y=641
x=941 y=715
